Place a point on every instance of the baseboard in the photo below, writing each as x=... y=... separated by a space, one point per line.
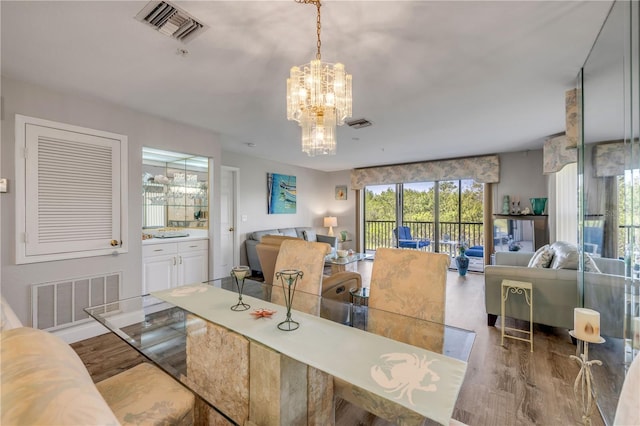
x=93 y=328
x=81 y=332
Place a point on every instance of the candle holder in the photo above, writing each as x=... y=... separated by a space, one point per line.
x=583 y=388
x=239 y=273
x=289 y=278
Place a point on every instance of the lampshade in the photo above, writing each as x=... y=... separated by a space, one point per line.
x=318 y=98
x=330 y=221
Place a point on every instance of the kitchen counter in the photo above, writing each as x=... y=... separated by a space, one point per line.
x=192 y=237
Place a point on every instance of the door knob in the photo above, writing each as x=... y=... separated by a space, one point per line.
x=231 y=229
x=114 y=243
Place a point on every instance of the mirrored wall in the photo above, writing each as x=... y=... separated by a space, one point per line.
x=174 y=190
x=609 y=208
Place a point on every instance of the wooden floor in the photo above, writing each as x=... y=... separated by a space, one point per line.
x=503 y=385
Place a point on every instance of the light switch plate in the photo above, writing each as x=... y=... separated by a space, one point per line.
x=3 y=185
x=244 y=218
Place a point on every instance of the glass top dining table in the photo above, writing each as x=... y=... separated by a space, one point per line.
x=161 y=327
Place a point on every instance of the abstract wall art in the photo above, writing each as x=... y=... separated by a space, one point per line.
x=281 y=194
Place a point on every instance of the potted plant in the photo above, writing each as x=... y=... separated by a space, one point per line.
x=462 y=261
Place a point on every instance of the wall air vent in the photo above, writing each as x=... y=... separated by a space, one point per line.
x=358 y=123
x=171 y=21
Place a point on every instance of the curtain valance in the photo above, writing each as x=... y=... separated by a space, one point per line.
x=485 y=169
x=613 y=158
x=558 y=151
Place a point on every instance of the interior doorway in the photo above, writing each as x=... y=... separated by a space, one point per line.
x=230 y=254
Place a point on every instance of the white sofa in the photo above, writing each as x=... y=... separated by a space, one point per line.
x=44 y=382
x=556 y=293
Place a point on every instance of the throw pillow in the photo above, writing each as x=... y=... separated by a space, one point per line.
x=541 y=258
x=565 y=255
x=590 y=264
x=309 y=235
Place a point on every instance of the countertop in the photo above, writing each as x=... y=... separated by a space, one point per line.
x=191 y=237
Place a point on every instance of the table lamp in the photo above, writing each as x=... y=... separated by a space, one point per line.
x=330 y=222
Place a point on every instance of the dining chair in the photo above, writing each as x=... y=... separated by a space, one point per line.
x=267 y=250
x=627 y=412
x=405 y=240
x=309 y=257
x=409 y=282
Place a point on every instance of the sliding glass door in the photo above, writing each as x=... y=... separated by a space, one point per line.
x=445 y=212
x=380 y=216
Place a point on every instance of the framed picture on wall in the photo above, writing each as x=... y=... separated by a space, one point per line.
x=341 y=192
x=281 y=194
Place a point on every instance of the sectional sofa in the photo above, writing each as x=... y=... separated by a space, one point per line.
x=305 y=233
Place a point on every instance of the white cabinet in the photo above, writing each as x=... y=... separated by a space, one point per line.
x=168 y=265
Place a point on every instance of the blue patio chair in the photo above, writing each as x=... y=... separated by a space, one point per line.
x=404 y=239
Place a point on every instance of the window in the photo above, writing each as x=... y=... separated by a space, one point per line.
x=71 y=191
x=441 y=211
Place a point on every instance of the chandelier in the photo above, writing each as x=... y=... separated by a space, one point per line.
x=318 y=98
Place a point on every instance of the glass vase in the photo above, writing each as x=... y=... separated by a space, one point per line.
x=239 y=273
x=538 y=205
x=289 y=279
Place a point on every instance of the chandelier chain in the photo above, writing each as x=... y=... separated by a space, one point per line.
x=318 y=25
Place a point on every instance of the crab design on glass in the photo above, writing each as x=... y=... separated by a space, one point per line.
x=404 y=373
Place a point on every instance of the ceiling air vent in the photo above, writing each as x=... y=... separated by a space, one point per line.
x=359 y=123
x=171 y=21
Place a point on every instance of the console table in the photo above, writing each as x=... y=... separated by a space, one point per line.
x=540 y=226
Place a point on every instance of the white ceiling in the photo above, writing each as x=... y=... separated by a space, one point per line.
x=438 y=79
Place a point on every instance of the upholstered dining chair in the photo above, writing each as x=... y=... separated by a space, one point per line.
x=309 y=257
x=267 y=250
x=411 y=283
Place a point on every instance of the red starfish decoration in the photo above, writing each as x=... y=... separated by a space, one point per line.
x=263 y=313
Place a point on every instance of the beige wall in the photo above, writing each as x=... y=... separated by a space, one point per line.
x=141 y=129
x=315 y=189
x=315 y=197
x=521 y=174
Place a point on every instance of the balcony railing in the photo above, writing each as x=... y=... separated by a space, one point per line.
x=379 y=233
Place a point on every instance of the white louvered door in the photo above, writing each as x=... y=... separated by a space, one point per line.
x=73 y=186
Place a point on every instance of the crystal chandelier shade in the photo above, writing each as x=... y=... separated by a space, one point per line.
x=319 y=99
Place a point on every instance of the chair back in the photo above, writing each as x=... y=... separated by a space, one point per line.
x=304 y=256
x=267 y=251
x=410 y=282
x=627 y=412
x=402 y=233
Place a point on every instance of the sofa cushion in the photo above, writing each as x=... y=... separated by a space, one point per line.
x=542 y=257
x=565 y=255
x=309 y=235
x=475 y=251
x=44 y=382
x=257 y=235
x=145 y=394
x=8 y=318
x=590 y=264
x=289 y=232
